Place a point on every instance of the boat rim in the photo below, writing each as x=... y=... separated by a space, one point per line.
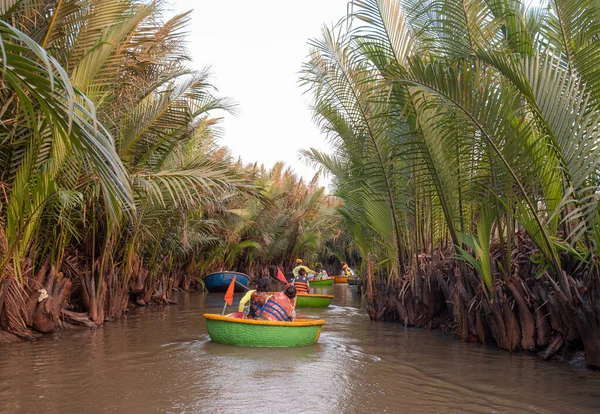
x=227 y=271
x=296 y=323
x=315 y=295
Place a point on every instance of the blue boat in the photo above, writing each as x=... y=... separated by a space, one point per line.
x=219 y=281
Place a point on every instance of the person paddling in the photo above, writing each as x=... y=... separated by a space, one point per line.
x=299 y=266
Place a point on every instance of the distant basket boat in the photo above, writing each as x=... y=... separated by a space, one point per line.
x=307 y=300
x=353 y=281
x=219 y=281
x=321 y=282
x=259 y=333
x=341 y=279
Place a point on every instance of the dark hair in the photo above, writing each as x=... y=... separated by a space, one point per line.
x=262 y=284
x=290 y=292
x=301 y=272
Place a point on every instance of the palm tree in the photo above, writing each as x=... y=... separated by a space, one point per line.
x=475 y=122
x=107 y=138
x=294 y=219
x=46 y=120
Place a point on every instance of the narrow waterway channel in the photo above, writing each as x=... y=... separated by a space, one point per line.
x=161 y=360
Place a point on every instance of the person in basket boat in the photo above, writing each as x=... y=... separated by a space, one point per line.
x=321 y=273
x=301 y=282
x=346 y=272
x=257 y=298
x=299 y=266
x=280 y=306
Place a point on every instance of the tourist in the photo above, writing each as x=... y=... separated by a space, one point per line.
x=301 y=282
x=321 y=273
x=346 y=271
x=257 y=298
x=299 y=266
x=291 y=293
x=280 y=306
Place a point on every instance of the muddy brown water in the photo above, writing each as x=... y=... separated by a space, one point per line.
x=162 y=360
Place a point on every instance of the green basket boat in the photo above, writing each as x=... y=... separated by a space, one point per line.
x=257 y=333
x=321 y=282
x=307 y=300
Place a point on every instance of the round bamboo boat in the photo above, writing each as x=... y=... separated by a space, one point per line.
x=220 y=281
x=321 y=282
x=353 y=281
x=258 y=333
x=308 y=300
x=341 y=279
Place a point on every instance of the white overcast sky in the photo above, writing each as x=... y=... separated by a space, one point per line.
x=256 y=50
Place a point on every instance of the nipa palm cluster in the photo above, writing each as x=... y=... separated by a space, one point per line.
x=114 y=190
x=466 y=154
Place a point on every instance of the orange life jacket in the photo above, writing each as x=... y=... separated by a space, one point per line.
x=278 y=308
x=257 y=301
x=301 y=287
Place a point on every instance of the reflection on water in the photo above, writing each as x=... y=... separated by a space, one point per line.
x=161 y=360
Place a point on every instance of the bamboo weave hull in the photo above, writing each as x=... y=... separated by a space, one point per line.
x=219 y=281
x=305 y=300
x=321 y=282
x=257 y=333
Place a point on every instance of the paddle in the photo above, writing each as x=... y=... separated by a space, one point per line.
x=244 y=286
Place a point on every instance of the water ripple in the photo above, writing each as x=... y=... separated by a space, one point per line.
x=162 y=360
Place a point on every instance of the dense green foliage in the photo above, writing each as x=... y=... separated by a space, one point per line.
x=114 y=188
x=297 y=220
x=468 y=124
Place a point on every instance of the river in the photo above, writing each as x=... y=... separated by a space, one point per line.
x=162 y=360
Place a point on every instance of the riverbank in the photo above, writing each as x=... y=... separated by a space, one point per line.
x=160 y=359
x=520 y=314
